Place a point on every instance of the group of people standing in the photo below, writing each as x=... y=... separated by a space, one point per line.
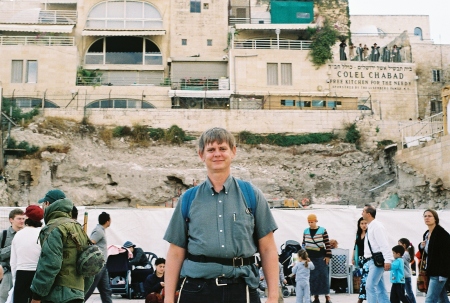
x=374 y=54
x=371 y=238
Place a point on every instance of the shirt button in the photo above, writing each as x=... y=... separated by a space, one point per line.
x=220 y=230
x=226 y=193
x=223 y=245
x=220 y=216
x=220 y=201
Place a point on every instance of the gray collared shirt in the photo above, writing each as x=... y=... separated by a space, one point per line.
x=220 y=226
x=98 y=235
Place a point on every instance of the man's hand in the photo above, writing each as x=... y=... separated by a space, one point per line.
x=327 y=260
x=35 y=301
x=387 y=266
x=272 y=300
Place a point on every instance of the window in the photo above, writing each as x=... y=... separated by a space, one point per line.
x=118 y=103
x=183 y=41
x=319 y=103
x=303 y=103
x=418 y=32
x=27 y=102
x=205 y=5
x=436 y=75
x=17 y=71
x=272 y=73
x=195 y=6
x=436 y=106
x=287 y=102
x=124 y=15
x=30 y=73
x=286 y=74
x=334 y=104
x=209 y=42
x=124 y=50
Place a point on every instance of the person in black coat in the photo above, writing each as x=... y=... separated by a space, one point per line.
x=139 y=257
x=154 y=283
x=436 y=247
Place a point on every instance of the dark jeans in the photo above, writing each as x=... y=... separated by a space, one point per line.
x=22 y=291
x=101 y=281
x=206 y=290
x=398 y=293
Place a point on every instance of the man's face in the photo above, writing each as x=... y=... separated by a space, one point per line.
x=217 y=157
x=45 y=205
x=160 y=268
x=18 y=222
x=364 y=214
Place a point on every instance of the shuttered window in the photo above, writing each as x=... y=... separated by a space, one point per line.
x=286 y=74
x=272 y=73
x=16 y=71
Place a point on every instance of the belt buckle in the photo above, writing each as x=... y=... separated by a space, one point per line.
x=220 y=284
x=238 y=258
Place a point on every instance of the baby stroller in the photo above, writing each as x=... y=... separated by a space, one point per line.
x=119 y=272
x=285 y=258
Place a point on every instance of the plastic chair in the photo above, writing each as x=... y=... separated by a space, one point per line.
x=339 y=267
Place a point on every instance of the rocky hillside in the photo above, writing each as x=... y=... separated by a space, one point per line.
x=94 y=169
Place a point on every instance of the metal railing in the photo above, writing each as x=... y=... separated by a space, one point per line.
x=37 y=40
x=272 y=44
x=121 y=80
x=38 y=16
x=196 y=84
x=255 y=20
x=415 y=133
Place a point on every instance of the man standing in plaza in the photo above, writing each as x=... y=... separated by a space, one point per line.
x=101 y=281
x=16 y=219
x=57 y=278
x=376 y=241
x=213 y=247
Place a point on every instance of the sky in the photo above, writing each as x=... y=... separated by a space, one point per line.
x=438 y=10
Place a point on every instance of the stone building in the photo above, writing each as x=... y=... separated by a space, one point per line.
x=83 y=55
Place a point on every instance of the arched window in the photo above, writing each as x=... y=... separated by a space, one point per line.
x=27 y=102
x=124 y=50
x=119 y=103
x=418 y=32
x=124 y=15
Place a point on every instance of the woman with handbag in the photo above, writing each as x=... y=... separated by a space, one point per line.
x=436 y=251
x=317 y=245
x=358 y=257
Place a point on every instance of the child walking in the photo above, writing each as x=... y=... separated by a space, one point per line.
x=398 y=277
x=409 y=253
x=301 y=271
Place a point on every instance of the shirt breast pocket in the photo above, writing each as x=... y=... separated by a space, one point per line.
x=243 y=226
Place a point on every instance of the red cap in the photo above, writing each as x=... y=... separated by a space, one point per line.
x=34 y=212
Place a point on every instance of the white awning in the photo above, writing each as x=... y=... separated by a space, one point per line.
x=273 y=26
x=107 y=32
x=34 y=28
x=200 y=93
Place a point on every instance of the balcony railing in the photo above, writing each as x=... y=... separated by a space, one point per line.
x=415 y=133
x=38 y=16
x=254 y=20
x=121 y=80
x=137 y=58
x=33 y=40
x=272 y=44
x=200 y=84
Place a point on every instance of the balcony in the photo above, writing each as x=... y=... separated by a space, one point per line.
x=203 y=84
x=38 y=16
x=272 y=44
x=33 y=40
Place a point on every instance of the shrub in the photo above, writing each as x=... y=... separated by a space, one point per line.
x=322 y=42
x=156 y=134
x=29 y=149
x=17 y=114
x=285 y=140
x=139 y=133
x=106 y=135
x=175 y=135
x=353 y=135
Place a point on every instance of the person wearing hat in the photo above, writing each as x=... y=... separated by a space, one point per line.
x=317 y=245
x=375 y=55
x=16 y=219
x=51 y=196
x=101 y=280
x=56 y=278
x=139 y=257
x=25 y=251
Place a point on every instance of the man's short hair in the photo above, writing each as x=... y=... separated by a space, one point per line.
x=74 y=212
x=215 y=134
x=16 y=212
x=399 y=249
x=103 y=218
x=160 y=261
x=371 y=210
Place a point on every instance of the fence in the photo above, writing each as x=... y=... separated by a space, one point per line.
x=415 y=133
x=272 y=44
x=36 y=40
x=38 y=16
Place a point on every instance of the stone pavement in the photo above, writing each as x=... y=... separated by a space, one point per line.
x=335 y=298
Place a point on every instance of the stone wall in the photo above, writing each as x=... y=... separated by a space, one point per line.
x=432 y=159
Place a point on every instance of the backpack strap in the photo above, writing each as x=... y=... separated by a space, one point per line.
x=56 y=224
x=4 y=237
x=245 y=187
